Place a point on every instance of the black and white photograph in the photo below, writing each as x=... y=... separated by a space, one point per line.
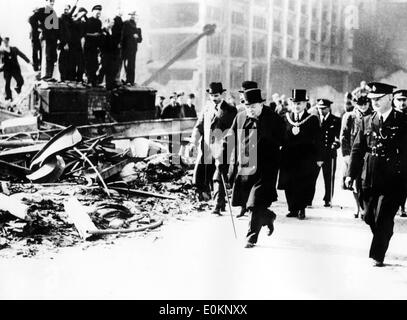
x=203 y=150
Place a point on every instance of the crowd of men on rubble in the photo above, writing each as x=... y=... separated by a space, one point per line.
x=256 y=149
x=86 y=45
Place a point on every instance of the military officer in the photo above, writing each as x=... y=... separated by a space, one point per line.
x=331 y=128
x=379 y=155
x=351 y=123
x=256 y=136
x=301 y=153
x=212 y=126
x=400 y=104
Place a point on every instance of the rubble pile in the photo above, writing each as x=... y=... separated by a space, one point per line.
x=67 y=189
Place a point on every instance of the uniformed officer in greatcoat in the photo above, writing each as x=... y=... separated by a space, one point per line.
x=331 y=128
x=400 y=104
x=351 y=123
x=256 y=136
x=212 y=126
x=301 y=154
x=379 y=155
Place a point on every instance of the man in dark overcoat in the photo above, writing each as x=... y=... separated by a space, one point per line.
x=379 y=155
x=212 y=126
x=301 y=153
x=256 y=136
x=331 y=129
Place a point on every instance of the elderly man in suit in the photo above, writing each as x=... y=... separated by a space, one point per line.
x=212 y=126
x=255 y=137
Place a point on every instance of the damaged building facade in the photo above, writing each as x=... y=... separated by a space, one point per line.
x=281 y=44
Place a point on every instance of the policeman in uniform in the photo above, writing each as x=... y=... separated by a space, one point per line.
x=400 y=104
x=208 y=134
x=256 y=137
x=379 y=155
x=331 y=128
x=351 y=123
x=301 y=153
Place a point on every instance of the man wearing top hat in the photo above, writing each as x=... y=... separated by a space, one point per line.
x=301 y=154
x=93 y=35
x=400 y=104
x=246 y=85
x=131 y=37
x=351 y=123
x=331 y=128
x=379 y=155
x=255 y=140
x=209 y=131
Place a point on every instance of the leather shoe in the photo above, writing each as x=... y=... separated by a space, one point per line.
x=292 y=214
x=378 y=264
x=249 y=245
x=216 y=212
x=327 y=204
x=242 y=213
x=270 y=224
x=301 y=215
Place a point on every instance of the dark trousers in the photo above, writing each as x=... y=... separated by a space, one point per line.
x=92 y=64
x=51 y=55
x=78 y=63
x=379 y=214
x=8 y=75
x=129 y=60
x=259 y=217
x=328 y=171
x=207 y=174
x=111 y=64
x=66 y=65
x=36 y=54
x=297 y=196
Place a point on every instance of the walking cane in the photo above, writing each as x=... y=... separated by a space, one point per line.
x=230 y=206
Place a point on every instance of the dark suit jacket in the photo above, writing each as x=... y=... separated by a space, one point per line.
x=380 y=155
x=330 y=131
x=129 y=43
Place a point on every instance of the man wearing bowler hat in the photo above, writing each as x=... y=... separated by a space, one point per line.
x=400 y=104
x=255 y=140
x=212 y=126
x=379 y=156
x=331 y=129
x=301 y=154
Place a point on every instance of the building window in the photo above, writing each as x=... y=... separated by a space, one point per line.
x=215 y=72
x=259 y=74
x=215 y=44
x=237 y=74
x=291 y=24
x=277 y=21
x=304 y=7
x=259 y=23
x=314 y=31
x=238 y=18
x=277 y=45
x=215 y=14
x=290 y=47
x=304 y=27
x=261 y=3
x=325 y=55
x=259 y=46
x=315 y=9
x=238 y=45
x=314 y=52
x=303 y=50
x=292 y=5
x=175 y=15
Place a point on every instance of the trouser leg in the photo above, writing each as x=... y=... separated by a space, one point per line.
x=130 y=66
x=383 y=228
x=51 y=57
x=259 y=217
x=329 y=170
x=19 y=80
x=7 y=78
x=219 y=194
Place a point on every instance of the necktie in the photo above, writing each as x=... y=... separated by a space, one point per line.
x=381 y=121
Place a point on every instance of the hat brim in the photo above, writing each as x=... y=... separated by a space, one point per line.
x=376 y=95
x=398 y=95
x=260 y=101
x=211 y=92
x=296 y=100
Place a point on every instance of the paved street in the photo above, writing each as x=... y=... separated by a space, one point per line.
x=197 y=257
